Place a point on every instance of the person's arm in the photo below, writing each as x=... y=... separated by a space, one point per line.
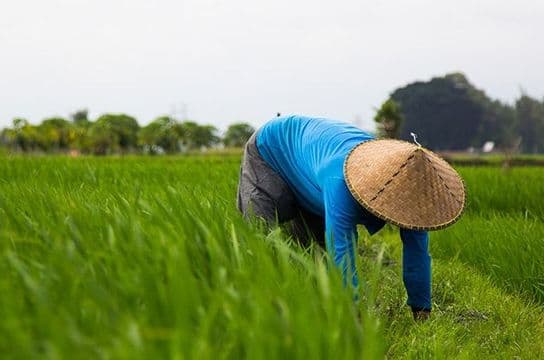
x=340 y=228
x=416 y=270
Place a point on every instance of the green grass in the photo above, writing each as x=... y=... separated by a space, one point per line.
x=502 y=232
x=148 y=258
x=507 y=248
x=516 y=191
x=494 y=160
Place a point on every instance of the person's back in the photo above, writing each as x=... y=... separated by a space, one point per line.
x=304 y=151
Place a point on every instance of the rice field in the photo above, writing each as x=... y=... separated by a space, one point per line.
x=147 y=258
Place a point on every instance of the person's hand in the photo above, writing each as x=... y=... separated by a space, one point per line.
x=421 y=315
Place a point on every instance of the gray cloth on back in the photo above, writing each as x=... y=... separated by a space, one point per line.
x=261 y=191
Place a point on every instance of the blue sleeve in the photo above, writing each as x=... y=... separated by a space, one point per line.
x=416 y=268
x=340 y=227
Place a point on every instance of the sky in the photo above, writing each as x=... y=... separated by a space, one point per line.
x=220 y=62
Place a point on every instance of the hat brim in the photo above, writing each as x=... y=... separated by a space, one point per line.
x=405 y=184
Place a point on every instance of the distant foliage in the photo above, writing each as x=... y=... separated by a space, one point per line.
x=110 y=134
x=160 y=135
x=449 y=113
x=389 y=120
x=53 y=134
x=238 y=134
x=195 y=137
x=531 y=124
x=80 y=118
x=123 y=130
x=446 y=113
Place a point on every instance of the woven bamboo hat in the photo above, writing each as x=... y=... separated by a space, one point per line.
x=405 y=184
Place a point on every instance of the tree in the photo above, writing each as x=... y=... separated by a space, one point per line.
x=56 y=134
x=119 y=130
x=498 y=124
x=194 y=136
x=80 y=118
x=449 y=113
x=23 y=136
x=389 y=119
x=160 y=135
x=102 y=140
x=238 y=134
x=530 y=115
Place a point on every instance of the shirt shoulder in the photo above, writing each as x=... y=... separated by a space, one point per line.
x=339 y=200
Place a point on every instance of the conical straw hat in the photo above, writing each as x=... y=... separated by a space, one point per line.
x=405 y=184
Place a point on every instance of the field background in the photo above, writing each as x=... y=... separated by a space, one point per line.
x=142 y=257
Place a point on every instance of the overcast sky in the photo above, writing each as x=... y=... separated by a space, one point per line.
x=245 y=60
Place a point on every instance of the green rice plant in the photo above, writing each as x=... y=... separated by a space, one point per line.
x=138 y=257
x=518 y=191
x=507 y=248
x=471 y=315
x=132 y=259
x=502 y=232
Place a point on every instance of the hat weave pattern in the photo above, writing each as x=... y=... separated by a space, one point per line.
x=405 y=184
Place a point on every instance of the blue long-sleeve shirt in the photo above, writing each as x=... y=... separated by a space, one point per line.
x=309 y=154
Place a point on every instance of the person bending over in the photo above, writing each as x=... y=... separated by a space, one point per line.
x=325 y=177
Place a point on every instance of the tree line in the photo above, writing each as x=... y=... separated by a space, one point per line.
x=449 y=113
x=118 y=133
